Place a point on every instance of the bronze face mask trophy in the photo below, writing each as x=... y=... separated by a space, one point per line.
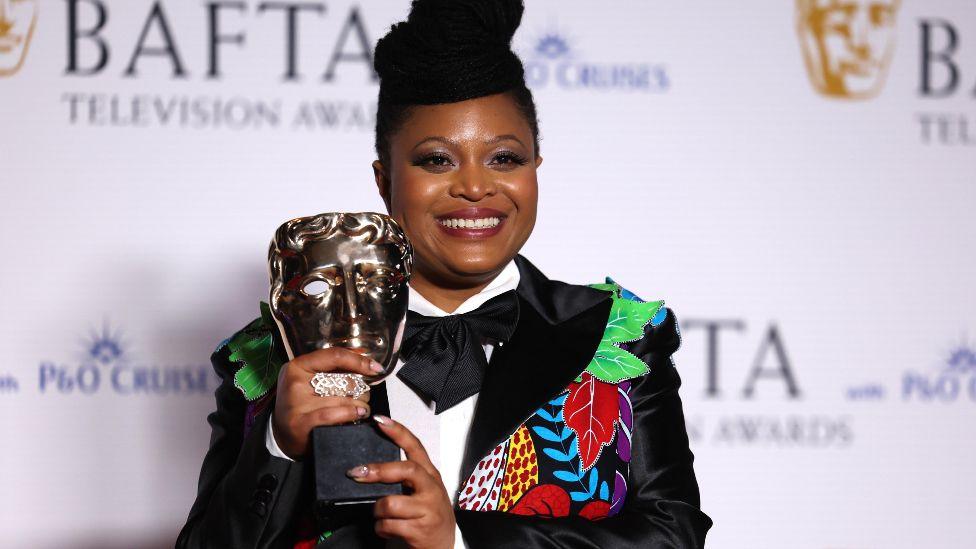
x=340 y=280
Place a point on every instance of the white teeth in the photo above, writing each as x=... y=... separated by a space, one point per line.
x=481 y=223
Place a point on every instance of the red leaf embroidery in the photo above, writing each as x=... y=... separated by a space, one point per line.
x=595 y=510
x=544 y=500
x=591 y=412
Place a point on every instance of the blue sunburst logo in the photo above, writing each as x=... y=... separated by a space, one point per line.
x=961 y=358
x=104 y=347
x=551 y=46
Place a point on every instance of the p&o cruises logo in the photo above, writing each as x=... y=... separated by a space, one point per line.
x=17 y=21
x=106 y=363
x=553 y=61
x=847 y=44
x=954 y=379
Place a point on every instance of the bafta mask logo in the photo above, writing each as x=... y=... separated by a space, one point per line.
x=847 y=44
x=17 y=20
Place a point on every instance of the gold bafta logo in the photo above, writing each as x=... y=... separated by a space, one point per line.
x=847 y=44
x=17 y=20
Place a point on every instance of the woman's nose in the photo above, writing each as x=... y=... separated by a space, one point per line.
x=473 y=183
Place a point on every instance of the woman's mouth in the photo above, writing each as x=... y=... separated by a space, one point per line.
x=472 y=222
x=482 y=223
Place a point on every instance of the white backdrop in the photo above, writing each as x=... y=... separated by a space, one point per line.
x=817 y=250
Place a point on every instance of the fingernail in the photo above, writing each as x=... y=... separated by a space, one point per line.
x=358 y=471
x=382 y=420
x=376 y=367
x=360 y=411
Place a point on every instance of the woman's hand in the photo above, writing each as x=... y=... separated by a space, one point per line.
x=298 y=409
x=424 y=518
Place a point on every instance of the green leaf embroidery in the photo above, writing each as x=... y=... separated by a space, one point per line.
x=625 y=323
x=254 y=349
x=613 y=364
x=627 y=320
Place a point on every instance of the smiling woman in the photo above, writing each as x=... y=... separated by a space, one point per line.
x=532 y=413
x=461 y=180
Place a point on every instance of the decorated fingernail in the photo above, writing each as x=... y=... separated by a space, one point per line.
x=382 y=420
x=360 y=411
x=359 y=471
x=376 y=367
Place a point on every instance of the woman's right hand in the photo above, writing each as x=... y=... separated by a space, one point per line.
x=298 y=409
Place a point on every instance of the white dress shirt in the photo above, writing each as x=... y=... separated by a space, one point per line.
x=443 y=435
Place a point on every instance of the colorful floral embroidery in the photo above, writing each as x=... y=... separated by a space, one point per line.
x=564 y=469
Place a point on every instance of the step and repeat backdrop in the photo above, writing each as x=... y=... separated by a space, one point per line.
x=796 y=179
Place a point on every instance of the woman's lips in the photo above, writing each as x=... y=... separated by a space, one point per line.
x=472 y=222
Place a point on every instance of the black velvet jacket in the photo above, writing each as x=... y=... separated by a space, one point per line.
x=561 y=452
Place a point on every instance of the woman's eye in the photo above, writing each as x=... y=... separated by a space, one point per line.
x=434 y=160
x=509 y=159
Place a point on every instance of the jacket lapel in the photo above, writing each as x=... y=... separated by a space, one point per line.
x=559 y=328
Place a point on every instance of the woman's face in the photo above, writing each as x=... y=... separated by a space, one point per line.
x=462 y=183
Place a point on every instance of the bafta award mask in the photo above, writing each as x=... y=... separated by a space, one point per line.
x=847 y=45
x=17 y=21
x=340 y=280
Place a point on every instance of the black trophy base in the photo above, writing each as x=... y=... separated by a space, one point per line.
x=338 y=448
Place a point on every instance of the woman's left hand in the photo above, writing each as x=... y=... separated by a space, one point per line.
x=423 y=517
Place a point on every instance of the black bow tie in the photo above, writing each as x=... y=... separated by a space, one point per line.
x=444 y=358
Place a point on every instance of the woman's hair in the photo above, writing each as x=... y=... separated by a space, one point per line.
x=448 y=51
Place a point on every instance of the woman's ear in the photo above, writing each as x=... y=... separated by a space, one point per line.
x=538 y=160
x=382 y=183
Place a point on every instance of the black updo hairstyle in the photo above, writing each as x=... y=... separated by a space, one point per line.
x=448 y=51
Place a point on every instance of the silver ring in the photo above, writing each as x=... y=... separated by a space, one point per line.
x=331 y=384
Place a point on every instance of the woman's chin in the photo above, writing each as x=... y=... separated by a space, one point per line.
x=461 y=261
x=474 y=267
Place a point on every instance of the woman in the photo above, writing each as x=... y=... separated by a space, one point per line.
x=574 y=436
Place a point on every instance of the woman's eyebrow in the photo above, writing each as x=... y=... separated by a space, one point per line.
x=444 y=140
x=447 y=141
x=503 y=137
